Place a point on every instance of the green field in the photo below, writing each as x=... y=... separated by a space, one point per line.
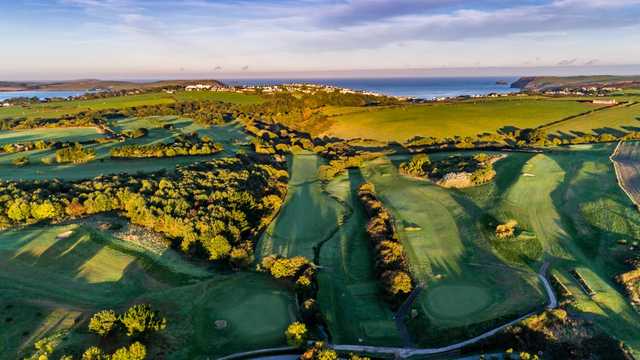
x=229 y=135
x=308 y=215
x=571 y=201
x=54 y=284
x=59 y=108
x=616 y=121
x=49 y=134
x=449 y=249
x=350 y=297
x=440 y=120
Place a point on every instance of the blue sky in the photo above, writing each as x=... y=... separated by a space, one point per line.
x=60 y=39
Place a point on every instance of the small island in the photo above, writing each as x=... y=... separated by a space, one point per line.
x=454 y=171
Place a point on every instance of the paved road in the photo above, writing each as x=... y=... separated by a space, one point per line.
x=405 y=352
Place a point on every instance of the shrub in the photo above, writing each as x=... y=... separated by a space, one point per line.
x=103 y=322
x=21 y=161
x=140 y=319
x=296 y=334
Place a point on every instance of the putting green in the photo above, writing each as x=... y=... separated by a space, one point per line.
x=457 y=300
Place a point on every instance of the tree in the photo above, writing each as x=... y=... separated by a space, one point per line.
x=94 y=353
x=103 y=322
x=397 y=282
x=218 y=247
x=19 y=210
x=136 y=351
x=44 y=210
x=140 y=319
x=286 y=268
x=296 y=334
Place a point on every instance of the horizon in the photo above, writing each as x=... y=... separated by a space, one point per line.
x=141 y=39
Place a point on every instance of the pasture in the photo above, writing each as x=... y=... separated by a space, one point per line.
x=441 y=120
x=52 y=282
x=59 y=108
x=616 y=121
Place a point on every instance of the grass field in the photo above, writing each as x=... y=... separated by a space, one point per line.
x=448 y=249
x=308 y=215
x=51 y=284
x=450 y=119
x=53 y=134
x=56 y=109
x=229 y=135
x=350 y=297
x=571 y=201
x=616 y=121
x=626 y=167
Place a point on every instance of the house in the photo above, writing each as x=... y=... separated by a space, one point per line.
x=6 y=104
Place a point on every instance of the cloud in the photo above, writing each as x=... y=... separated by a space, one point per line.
x=567 y=62
x=245 y=68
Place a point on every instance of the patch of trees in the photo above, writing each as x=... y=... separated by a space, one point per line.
x=185 y=145
x=300 y=273
x=76 y=154
x=555 y=334
x=390 y=262
x=477 y=169
x=212 y=209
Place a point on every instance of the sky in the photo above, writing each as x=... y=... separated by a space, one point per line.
x=145 y=39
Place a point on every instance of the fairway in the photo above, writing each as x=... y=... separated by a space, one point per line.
x=54 y=277
x=229 y=135
x=440 y=120
x=308 y=215
x=457 y=301
x=571 y=201
x=349 y=295
x=49 y=134
x=449 y=249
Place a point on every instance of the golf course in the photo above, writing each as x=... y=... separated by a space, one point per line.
x=235 y=247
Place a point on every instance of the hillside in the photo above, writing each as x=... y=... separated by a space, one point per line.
x=540 y=83
x=90 y=84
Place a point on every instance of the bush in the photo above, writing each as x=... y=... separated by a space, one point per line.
x=296 y=334
x=140 y=319
x=103 y=322
x=21 y=161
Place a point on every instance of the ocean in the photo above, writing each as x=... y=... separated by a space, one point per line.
x=419 y=87
x=4 y=95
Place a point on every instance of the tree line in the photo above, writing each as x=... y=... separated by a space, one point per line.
x=185 y=145
x=390 y=259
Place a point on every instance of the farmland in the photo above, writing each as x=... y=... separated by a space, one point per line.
x=59 y=108
x=616 y=121
x=442 y=120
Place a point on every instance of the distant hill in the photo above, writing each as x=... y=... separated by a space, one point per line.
x=93 y=84
x=541 y=83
